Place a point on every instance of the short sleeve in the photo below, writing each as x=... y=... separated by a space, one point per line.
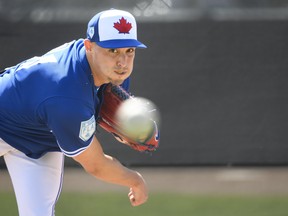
x=71 y=121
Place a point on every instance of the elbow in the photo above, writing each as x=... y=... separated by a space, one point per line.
x=91 y=166
x=97 y=167
x=93 y=170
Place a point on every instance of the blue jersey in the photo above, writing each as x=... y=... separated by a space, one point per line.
x=50 y=103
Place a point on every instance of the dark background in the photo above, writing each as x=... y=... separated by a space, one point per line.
x=220 y=83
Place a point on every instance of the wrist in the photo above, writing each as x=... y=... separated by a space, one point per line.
x=139 y=180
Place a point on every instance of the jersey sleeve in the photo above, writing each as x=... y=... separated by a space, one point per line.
x=71 y=122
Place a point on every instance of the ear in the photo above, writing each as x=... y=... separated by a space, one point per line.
x=87 y=44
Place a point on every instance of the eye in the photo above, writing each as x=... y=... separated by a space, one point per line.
x=131 y=50
x=113 y=50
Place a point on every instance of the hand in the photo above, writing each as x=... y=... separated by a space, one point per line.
x=138 y=195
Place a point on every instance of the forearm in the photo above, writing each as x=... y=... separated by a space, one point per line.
x=108 y=169
x=112 y=171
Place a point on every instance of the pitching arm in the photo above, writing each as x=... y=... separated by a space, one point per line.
x=108 y=169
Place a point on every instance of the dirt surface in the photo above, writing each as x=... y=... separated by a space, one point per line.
x=246 y=181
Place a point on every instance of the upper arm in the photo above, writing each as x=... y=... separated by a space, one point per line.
x=93 y=157
x=72 y=123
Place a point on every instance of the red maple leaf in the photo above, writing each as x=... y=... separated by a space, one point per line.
x=123 y=26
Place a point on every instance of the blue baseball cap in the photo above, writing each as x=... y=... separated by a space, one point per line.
x=114 y=29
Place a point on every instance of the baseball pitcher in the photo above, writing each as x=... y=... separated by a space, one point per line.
x=50 y=106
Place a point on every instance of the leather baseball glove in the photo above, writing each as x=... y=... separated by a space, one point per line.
x=111 y=97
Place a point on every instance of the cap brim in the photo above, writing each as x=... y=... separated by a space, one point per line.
x=113 y=44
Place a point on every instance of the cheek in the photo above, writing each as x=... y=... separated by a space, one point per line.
x=131 y=63
x=104 y=64
x=131 y=67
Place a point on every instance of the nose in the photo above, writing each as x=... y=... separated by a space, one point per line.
x=122 y=60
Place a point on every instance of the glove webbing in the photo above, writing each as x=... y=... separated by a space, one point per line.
x=120 y=92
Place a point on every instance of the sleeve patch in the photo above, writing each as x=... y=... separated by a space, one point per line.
x=87 y=129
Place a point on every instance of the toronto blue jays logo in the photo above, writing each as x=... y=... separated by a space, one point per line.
x=123 y=26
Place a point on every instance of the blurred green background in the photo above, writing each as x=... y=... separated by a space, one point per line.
x=205 y=191
x=160 y=204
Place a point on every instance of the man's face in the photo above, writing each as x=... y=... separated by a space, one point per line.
x=110 y=65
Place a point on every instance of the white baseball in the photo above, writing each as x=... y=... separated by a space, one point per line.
x=136 y=117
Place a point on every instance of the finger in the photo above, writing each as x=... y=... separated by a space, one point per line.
x=130 y=193
x=132 y=200
x=136 y=199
